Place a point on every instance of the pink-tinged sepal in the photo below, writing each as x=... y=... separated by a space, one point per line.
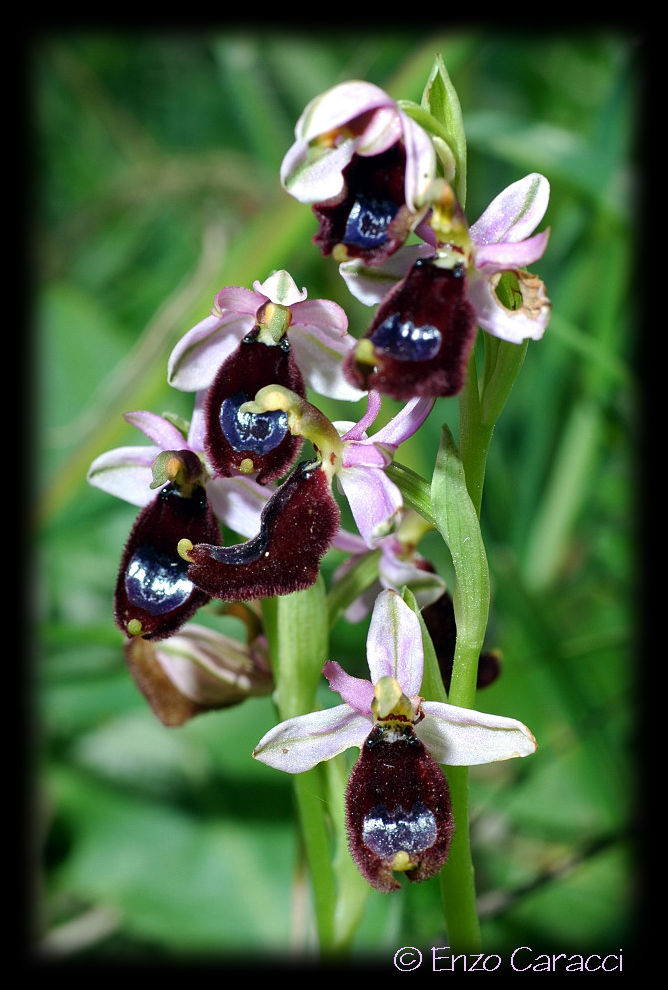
x=421 y=338
x=242 y=443
x=297 y=527
x=398 y=808
x=154 y=595
x=369 y=220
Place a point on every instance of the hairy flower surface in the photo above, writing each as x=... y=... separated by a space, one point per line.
x=421 y=338
x=317 y=331
x=154 y=595
x=297 y=526
x=387 y=710
x=500 y=241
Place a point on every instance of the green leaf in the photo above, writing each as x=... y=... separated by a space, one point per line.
x=457 y=521
x=441 y=100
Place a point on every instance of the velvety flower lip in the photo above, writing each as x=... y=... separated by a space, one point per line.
x=454 y=736
x=353 y=118
x=297 y=526
x=501 y=240
x=153 y=596
x=317 y=330
x=420 y=339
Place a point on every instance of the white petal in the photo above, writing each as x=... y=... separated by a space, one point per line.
x=375 y=501
x=338 y=105
x=126 y=473
x=463 y=737
x=281 y=288
x=394 y=643
x=298 y=744
x=199 y=354
x=319 y=356
x=514 y=213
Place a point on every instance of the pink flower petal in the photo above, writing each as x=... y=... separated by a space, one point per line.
x=463 y=737
x=299 y=743
x=164 y=434
x=374 y=500
x=508 y=254
x=355 y=691
x=514 y=213
x=394 y=643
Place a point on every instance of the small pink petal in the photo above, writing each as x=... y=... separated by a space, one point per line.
x=164 y=434
x=355 y=691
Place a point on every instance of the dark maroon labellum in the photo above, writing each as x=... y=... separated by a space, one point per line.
x=398 y=808
x=236 y=442
x=153 y=588
x=370 y=218
x=423 y=333
x=297 y=527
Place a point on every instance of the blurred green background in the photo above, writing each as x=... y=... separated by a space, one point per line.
x=156 y=157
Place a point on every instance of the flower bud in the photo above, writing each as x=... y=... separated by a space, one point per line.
x=196 y=671
x=439 y=618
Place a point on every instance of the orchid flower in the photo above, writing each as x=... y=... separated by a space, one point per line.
x=398 y=813
x=399 y=565
x=300 y=521
x=167 y=479
x=317 y=330
x=499 y=241
x=365 y=165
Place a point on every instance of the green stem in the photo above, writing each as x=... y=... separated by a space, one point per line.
x=457 y=489
x=458 y=523
x=297 y=631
